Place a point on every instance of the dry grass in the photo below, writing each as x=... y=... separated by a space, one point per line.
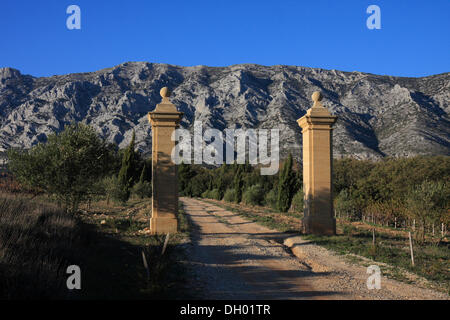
x=37 y=243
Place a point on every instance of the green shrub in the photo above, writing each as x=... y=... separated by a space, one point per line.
x=199 y=184
x=297 y=201
x=229 y=195
x=212 y=194
x=271 y=199
x=348 y=229
x=215 y=194
x=253 y=195
x=206 y=194
x=114 y=190
x=142 y=189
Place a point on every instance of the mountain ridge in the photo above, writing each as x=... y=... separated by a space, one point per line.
x=378 y=115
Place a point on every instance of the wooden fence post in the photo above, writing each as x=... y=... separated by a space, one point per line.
x=411 y=247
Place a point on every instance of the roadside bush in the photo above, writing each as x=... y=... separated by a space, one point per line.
x=212 y=194
x=114 y=190
x=206 y=194
x=253 y=195
x=229 y=195
x=271 y=199
x=297 y=201
x=142 y=189
x=215 y=194
x=348 y=229
x=198 y=185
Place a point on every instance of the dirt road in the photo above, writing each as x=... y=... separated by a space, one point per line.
x=232 y=258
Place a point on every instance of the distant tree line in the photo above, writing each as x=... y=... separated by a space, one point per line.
x=244 y=183
x=398 y=192
x=406 y=192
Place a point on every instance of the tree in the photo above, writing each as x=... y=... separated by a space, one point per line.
x=143 y=188
x=68 y=165
x=428 y=203
x=253 y=195
x=127 y=173
x=185 y=175
x=238 y=183
x=146 y=172
x=221 y=181
x=200 y=182
x=286 y=186
x=346 y=204
x=297 y=201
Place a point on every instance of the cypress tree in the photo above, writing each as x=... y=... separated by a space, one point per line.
x=185 y=175
x=143 y=176
x=127 y=170
x=286 y=186
x=238 y=184
x=220 y=181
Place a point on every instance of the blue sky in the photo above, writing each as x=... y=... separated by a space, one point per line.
x=413 y=40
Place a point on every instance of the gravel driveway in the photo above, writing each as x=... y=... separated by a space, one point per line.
x=232 y=258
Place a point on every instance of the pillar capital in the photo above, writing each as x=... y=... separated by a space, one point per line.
x=165 y=113
x=317 y=115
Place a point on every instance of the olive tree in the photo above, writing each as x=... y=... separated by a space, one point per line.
x=428 y=202
x=67 y=166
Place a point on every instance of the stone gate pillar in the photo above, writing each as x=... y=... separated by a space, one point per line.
x=317 y=169
x=164 y=120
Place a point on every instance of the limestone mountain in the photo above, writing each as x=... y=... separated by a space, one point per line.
x=378 y=115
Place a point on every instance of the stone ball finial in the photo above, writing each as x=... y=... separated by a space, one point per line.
x=317 y=96
x=165 y=92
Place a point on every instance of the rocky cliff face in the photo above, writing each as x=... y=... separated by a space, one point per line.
x=378 y=115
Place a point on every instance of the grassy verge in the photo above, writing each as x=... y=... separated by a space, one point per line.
x=38 y=241
x=431 y=260
x=353 y=240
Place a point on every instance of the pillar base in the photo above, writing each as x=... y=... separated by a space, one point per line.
x=319 y=226
x=163 y=225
